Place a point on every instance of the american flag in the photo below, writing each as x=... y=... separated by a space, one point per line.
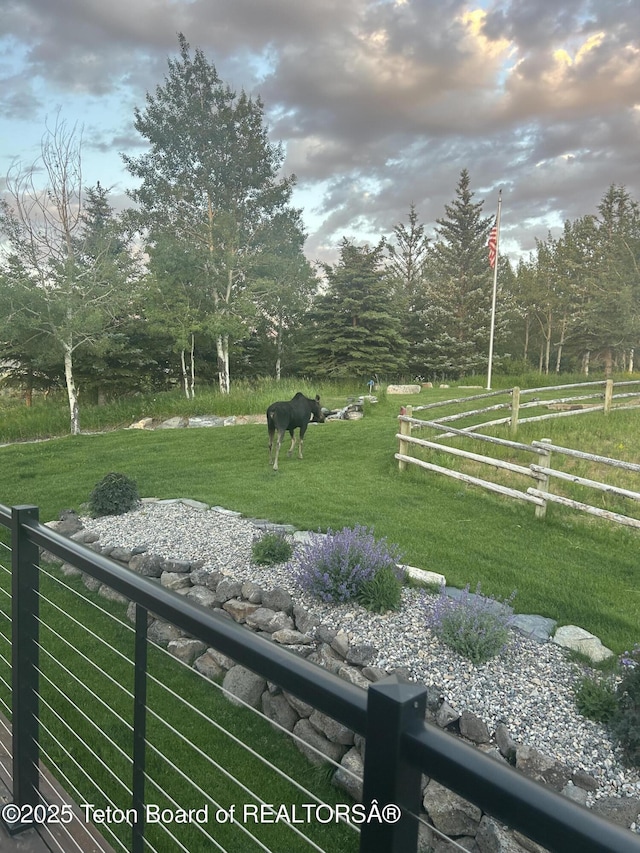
x=493 y=239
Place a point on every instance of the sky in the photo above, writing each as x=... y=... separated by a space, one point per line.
x=379 y=104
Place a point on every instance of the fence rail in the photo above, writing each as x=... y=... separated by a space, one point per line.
x=540 y=471
x=401 y=746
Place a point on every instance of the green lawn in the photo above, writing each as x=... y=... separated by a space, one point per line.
x=568 y=567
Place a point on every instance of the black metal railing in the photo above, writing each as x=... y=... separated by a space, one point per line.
x=400 y=745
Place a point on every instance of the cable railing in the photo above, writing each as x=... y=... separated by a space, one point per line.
x=162 y=746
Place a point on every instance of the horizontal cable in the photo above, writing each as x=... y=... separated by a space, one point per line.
x=84 y=657
x=253 y=710
x=220 y=769
x=44 y=828
x=60 y=774
x=83 y=742
x=205 y=795
x=242 y=744
x=84 y=627
x=177 y=805
x=84 y=598
x=79 y=681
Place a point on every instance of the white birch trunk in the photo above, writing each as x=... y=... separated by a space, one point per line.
x=71 y=390
x=222 y=349
x=185 y=380
x=193 y=367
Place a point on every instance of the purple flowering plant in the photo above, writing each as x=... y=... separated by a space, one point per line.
x=336 y=567
x=474 y=625
x=626 y=720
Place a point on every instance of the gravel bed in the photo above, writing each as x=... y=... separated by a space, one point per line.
x=528 y=687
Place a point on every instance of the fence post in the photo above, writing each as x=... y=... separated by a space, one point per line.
x=515 y=409
x=544 y=459
x=405 y=429
x=25 y=577
x=139 y=728
x=608 y=395
x=393 y=707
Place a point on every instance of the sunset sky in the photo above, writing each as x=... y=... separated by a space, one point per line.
x=378 y=103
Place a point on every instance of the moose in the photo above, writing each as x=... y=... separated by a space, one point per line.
x=290 y=415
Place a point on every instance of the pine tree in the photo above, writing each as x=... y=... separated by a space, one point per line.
x=356 y=332
x=407 y=265
x=458 y=313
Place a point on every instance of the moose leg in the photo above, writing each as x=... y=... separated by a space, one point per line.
x=278 y=443
x=302 y=432
x=293 y=442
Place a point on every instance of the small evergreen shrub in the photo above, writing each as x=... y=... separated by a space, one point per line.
x=271 y=548
x=383 y=592
x=595 y=699
x=115 y=494
x=475 y=626
x=625 y=722
x=335 y=567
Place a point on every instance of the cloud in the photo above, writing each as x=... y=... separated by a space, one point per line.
x=379 y=103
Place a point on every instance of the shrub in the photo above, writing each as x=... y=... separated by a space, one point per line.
x=595 y=698
x=383 y=592
x=271 y=548
x=335 y=567
x=625 y=722
x=475 y=626
x=115 y=494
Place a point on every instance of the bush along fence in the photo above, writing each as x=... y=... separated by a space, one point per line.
x=540 y=470
x=321 y=689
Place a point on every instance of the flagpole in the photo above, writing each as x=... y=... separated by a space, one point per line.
x=495 y=292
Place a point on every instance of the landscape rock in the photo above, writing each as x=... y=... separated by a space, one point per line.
x=278 y=599
x=473 y=728
x=450 y=813
x=351 y=765
x=276 y=708
x=147 y=565
x=578 y=640
x=315 y=745
x=265 y=619
x=541 y=767
x=404 y=389
x=245 y=685
x=186 y=649
x=538 y=628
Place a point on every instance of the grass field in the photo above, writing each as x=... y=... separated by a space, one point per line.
x=568 y=567
x=574 y=569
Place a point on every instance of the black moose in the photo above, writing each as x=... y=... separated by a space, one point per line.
x=290 y=415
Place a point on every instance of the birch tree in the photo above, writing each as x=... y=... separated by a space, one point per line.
x=209 y=178
x=61 y=283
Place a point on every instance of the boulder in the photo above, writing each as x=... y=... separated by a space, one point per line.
x=241 y=683
x=450 y=813
x=579 y=640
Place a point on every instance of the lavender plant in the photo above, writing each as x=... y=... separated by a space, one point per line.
x=475 y=626
x=336 y=567
x=625 y=722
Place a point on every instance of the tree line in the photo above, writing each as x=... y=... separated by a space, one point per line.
x=204 y=277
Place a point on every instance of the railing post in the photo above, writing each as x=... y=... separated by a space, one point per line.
x=405 y=429
x=515 y=409
x=608 y=395
x=139 y=728
x=393 y=707
x=25 y=577
x=544 y=460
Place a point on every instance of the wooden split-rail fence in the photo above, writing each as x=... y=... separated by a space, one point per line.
x=539 y=470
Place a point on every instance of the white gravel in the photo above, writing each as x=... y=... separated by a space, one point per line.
x=529 y=687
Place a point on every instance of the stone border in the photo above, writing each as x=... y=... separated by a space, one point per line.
x=272 y=614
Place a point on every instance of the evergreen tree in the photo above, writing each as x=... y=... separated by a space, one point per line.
x=407 y=265
x=458 y=313
x=210 y=179
x=356 y=330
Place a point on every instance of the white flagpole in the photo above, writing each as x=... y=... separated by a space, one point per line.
x=495 y=291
